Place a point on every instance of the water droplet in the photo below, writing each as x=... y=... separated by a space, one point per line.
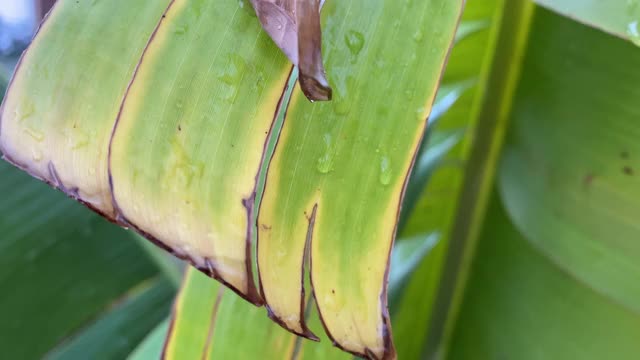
x=181 y=170
x=76 y=137
x=418 y=36
x=259 y=85
x=354 y=41
x=409 y=93
x=186 y=248
x=633 y=30
x=325 y=162
x=385 y=170
x=231 y=77
x=36 y=135
x=25 y=110
x=36 y=154
x=241 y=3
x=181 y=29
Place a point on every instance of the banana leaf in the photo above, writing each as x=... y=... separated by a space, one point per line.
x=555 y=276
x=159 y=121
x=619 y=18
x=63 y=268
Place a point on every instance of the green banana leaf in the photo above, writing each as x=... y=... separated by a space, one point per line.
x=190 y=326
x=620 y=18
x=62 y=268
x=152 y=346
x=556 y=275
x=454 y=202
x=179 y=134
x=167 y=135
x=304 y=204
x=118 y=331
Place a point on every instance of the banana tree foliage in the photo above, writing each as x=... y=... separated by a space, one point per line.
x=189 y=121
x=160 y=121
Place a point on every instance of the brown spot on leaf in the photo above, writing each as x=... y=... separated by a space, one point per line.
x=627 y=170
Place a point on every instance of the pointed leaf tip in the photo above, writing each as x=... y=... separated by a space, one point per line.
x=294 y=25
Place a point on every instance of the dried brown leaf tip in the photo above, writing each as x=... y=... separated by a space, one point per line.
x=294 y=25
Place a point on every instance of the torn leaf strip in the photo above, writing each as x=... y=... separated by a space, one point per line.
x=351 y=158
x=56 y=118
x=191 y=134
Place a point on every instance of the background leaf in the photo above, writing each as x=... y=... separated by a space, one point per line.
x=153 y=345
x=569 y=175
x=553 y=277
x=61 y=266
x=521 y=305
x=123 y=326
x=621 y=18
x=453 y=202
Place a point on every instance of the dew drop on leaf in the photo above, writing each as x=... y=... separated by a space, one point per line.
x=418 y=36
x=25 y=110
x=35 y=134
x=36 y=155
x=354 y=41
x=324 y=163
x=385 y=170
x=181 y=30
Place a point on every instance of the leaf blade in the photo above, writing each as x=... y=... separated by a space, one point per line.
x=193 y=312
x=293 y=207
x=619 y=18
x=572 y=195
x=178 y=163
x=57 y=127
x=119 y=329
x=41 y=255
